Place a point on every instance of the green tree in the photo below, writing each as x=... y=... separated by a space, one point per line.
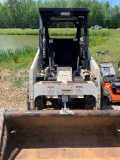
x=115 y=15
x=107 y=14
x=24 y=13
x=96 y=13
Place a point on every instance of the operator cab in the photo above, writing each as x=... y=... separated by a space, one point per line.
x=60 y=51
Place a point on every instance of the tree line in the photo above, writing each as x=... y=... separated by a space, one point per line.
x=24 y=13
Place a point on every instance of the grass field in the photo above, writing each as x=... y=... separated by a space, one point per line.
x=108 y=40
x=17 y=63
x=19 y=31
x=21 y=59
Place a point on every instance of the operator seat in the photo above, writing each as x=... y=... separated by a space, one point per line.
x=63 y=57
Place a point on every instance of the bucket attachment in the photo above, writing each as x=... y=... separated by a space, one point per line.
x=47 y=134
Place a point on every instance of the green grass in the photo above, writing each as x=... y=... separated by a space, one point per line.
x=17 y=82
x=109 y=41
x=18 y=63
x=52 y=32
x=19 y=31
x=18 y=59
x=62 y=32
x=17 y=56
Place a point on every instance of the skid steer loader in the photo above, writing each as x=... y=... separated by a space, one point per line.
x=64 y=119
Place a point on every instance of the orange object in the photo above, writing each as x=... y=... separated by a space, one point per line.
x=112 y=93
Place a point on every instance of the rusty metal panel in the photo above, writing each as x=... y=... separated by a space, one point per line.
x=46 y=134
x=56 y=113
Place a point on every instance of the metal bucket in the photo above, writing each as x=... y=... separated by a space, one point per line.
x=86 y=134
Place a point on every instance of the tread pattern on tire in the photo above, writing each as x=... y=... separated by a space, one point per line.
x=40 y=102
x=27 y=98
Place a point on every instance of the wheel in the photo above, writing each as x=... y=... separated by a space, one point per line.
x=107 y=100
x=40 y=102
x=27 y=99
x=4 y=143
x=77 y=103
x=86 y=102
x=89 y=102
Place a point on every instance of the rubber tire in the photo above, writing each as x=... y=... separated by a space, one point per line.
x=107 y=100
x=89 y=102
x=4 y=143
x=86 y=101
x=27 y=99
x=40 y=102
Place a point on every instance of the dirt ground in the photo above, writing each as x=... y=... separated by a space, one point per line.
x=11 y=97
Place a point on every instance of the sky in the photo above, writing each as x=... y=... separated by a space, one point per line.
x=112 y=2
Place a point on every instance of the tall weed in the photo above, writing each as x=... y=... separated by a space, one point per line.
x=17 y=55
